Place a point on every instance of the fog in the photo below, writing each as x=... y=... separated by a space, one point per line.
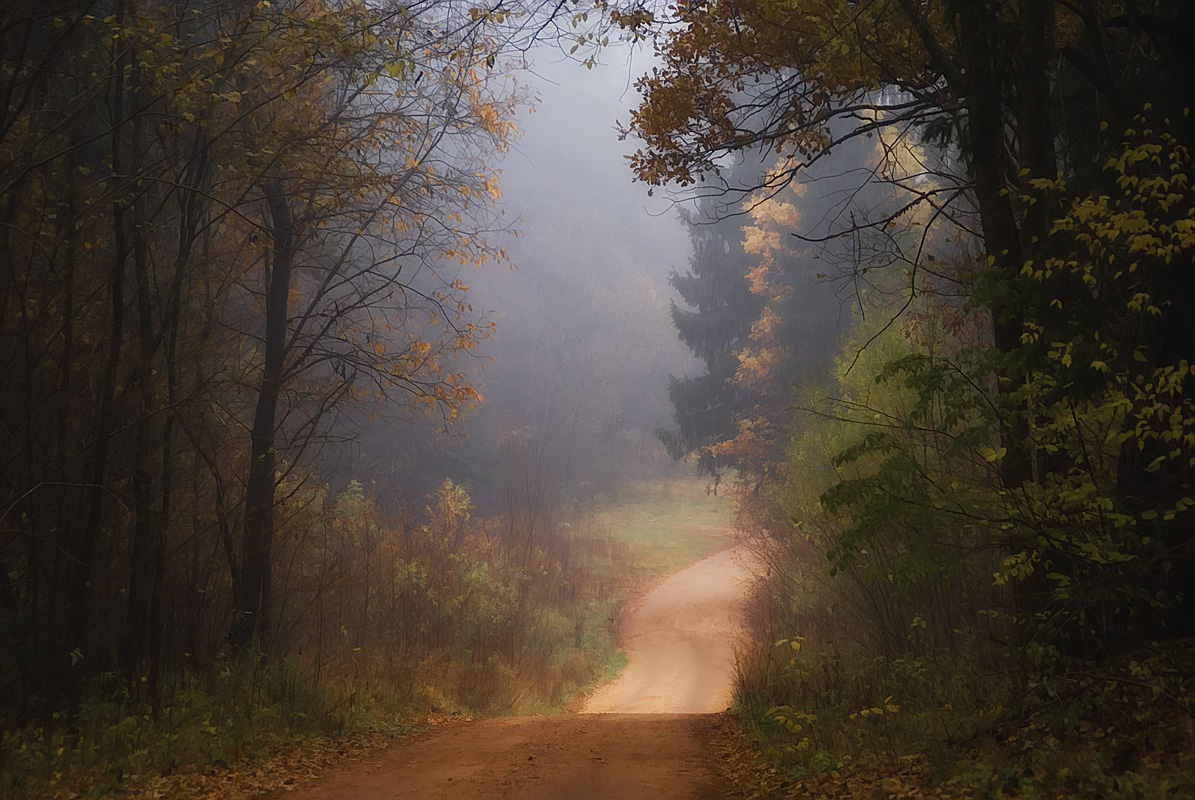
x=575 y=375
x=575 y=372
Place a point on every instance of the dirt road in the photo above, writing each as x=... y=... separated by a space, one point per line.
x=679 y=642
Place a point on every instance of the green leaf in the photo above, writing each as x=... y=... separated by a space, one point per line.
x=991 y=455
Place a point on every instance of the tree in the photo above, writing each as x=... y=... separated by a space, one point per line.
x=720 y=310
x=987 y=83
x=355 y=198
x=221 y=222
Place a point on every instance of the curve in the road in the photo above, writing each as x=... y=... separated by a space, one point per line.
x=646 y=736
x=680 y=641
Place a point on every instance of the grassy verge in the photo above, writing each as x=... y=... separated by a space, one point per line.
x=615 y=551
x=666 y=525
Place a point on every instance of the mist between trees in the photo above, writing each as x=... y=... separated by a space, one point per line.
x=220 y=222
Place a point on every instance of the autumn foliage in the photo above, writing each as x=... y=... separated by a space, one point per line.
x=222 y=224
x=982 y=508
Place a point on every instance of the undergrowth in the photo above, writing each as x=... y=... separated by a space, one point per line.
x=475 y=649
x=816 y=708
x=234 y=714
x=908 y=646
x=1120 y=729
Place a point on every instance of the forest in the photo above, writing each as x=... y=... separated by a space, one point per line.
x=976 y=502
x=342 y=401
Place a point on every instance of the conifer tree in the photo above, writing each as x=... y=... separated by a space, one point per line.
x=714 y=323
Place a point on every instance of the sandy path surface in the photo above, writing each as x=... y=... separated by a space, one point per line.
x=631 y=744
x=680 y=640
x=569 y=757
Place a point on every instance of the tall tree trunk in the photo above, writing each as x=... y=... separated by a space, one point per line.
x=1005 y=240
x=134 y=637
x=1036 y=153
x=82 y=553
x=253 y=598
x=1037 y=158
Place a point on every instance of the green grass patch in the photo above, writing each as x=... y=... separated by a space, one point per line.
x=667 y=525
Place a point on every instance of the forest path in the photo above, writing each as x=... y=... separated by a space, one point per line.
x=679 y=639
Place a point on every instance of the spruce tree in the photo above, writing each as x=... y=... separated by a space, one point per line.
x=714 y=323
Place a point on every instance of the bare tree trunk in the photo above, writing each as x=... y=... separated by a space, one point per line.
x=253 y=590
x=134 y=637
x=83 y=546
